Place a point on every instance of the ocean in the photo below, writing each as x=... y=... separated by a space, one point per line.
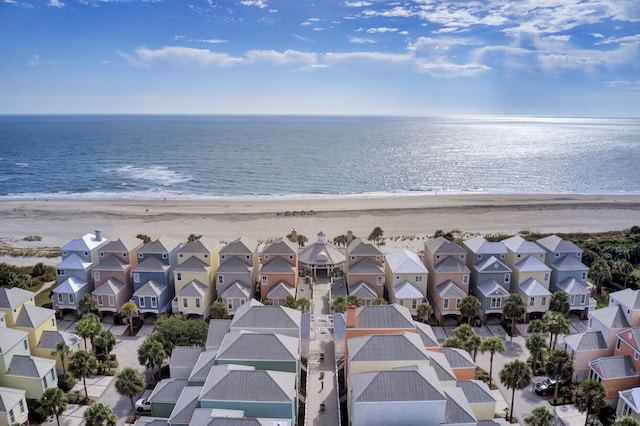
x=218 y=157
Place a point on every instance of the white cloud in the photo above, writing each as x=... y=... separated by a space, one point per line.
x=381 y=30
x=56 y=3
x=623 y=84
x=358 y=3
x=558 y=37
x=257 y=3
x=177 y=55
x=34 y=62
x=371 y=56
x=211 y=41
x=396 y=12
x=597 y=35
x=622 y=40
x=360 y=40
x=288 y=57
x=450 y=70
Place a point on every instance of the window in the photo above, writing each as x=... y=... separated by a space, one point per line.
x=220 y=279
x=437 y=256
x=99 y=297
x=60 y=272
x=197 y=302
x=112 y=300
x=546 y=276
x=59 y=297
x=572 y=299
x=140 y=255
x=626 y=410
x=379 y=280
x=478 y=256
x=181 y=255
x=266 y=257
x=583 y=301
x=248 y=257
x=179 y=276
x=86 y=253
x=414 y=304
x=584 y=275
x=223 y=257
x=136 y=277
x=496 y=302
x=544 y=300
x=12 y=416
x=507 y=278
x=532 y=301
x=445 y=304
x=378 y=258
x=353 y=258
x=124 y=254
x=53 y=374
x=636 y=355
x=185 y=304
x=141 y=302
x=241 y=302
x=590 y=321
x=418 y=278
x=96 y=275
x=64 y=253
x=462 y=257
x=397 y=277
x=53 y=322
x=401 y=302
x=154 y=302
x=44 y=382
x=101 y=254
x=465 y=279
x=26 y=344
x=457 y=303
x=618 y=344
x=230 y=303
x=165 y=255
x=557 y=254
x=290 y=257
x=206 y=256
x=21 y=406
x=71 y=298
x=265 y=280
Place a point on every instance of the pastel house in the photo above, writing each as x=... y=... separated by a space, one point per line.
x=194 y=277
x=629 y=404
x=536 y=298
x=490 y=284
x=13 y=406
x=11 y=302
x=364 y=265
x=406 y=279
x=378 y=319
x=238 y=272
x=152 y=278
x=629 y=302
x=112 y=276
x=73 y=273
x=34 y=320
x=279 y=271
x=583 y=348
x=263 y=351
x=479 y=249
x=258 y=318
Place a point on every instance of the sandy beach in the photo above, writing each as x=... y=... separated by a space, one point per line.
x=413 y=217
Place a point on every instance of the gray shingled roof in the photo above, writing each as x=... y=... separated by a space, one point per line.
x=203 y=365
x=404 y=261
x=490 y=288
x=10 y=398
x=476 y=391
x=74 y=262
x=363 y=290
x=255 y=315
x=217 y=330
x=239 y=383
x=441 y=367
x=458 y=358
x=121 y=245
x=428 y=337
x=281 y=246
x=278 y=266
x=358 y=247
x=611 y=317
x=185 y=356
x=441 y=245
x=10 y=337
x=533 y=288
x=614 y=367
x=193 y=288
x=30 y=366
x=519 y=245
x=33 y=316
x=234 y=264
x=366 y=266
x=531 y=264
x=240 y=246
x=406 y=290
x=396 y=385
x=383 y=316
x=479 y=245
x=50 y=339
x=202 y=245
x=151 y=264
x=258 y=347
x=451 y=265
x=570 y=286
x=159 y=246
x=151 y=288
x=11 y=298
x=281 y=290
x=627 y=297
x=491 y=264
x=569 y=263
x=449 y=289
x=458 y=411
x=558 y=245
x=111 y=263
x=588 y=341
x=632 y=398
x=387 y=347
x=237 y=290
x=185 y=405
x=192 y=264
x=110 y=287
x=168 y=390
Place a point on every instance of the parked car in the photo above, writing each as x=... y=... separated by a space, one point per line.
x=143 y=405
x=547 y=386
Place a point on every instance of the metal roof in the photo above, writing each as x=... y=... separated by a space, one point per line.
x=281 y=290
x=406 y=290
x=479 y=245
x=240 y=246
x=358 y=247
x=277 y=266
x=476 y=391
x=10 y=398
x=30 y=366
x=458 y=358
x=234 y=265
x=490 y=288
x=237 y=290
x=202 y=245
x=533 y=288
x=366 y=266
x=449 y=289
x=218 y=328
x=111 y=287
x=570 y=286
x=10 y=337
x=185 y=356
x=254 y=315
x=442 y=367
x=151 y=288
x=611 y=317
x=281 y=246
x=491 y=264
x=404 y=261
x=111 y=263
x=87 y=242
x=419 y=384
x=151 y=264
x=258 y=347
x=33 y=316
x=614 y=367
x=201 y=368
x=11 y=298
x=160 y=246
x=74 y=261
x=193 y=288
x=239 y=383
x=531 y=264
x=451 y=265
x=428 y=337
x=458 y=411
x=587 y=341
x=71 y=285
x=168 y=390
x=321 y=254
x=192 y=264
x=558 y=245
x=569 y=263
x=185 y=405
x=387 y=347
x=50 y=339
x=519 y=245
x=441 y=245
x=121 y=245
x=384 y=316
x=627 y=297
x=363 y=290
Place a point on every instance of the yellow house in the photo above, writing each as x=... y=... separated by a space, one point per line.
x=536 y=298
x=35 y=320
x=48 y=343
x=11 y=302
x=193 y=277
x=13 y=406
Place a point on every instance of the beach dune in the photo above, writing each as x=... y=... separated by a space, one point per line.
x=419 y=216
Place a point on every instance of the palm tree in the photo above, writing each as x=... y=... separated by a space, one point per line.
x=515 y=375
x=291 y=302
x=129 y=309
x=105 y=341
x=423 y=311
x=339 y=304
x=100 y=415
x=219 y=310
x=535 y=343
x=82 y=366
x=540 y=416
x=52 y=403
x=589 y=398
x=469 y=307
x=129 y=383
x=472 y=345
x=599 y=273
x=88 y=327
x=304 y=304
x=64 y=352
x=559 y=366
x=555 y=323
x=513 y=309
x=627 y=421
x=536 y=326
x=492 y=345
x=88 y=303
x=560 y=303
x=625 y=268
x=379 y=301
x=376 y=235
x=353 y=300
x=151 y=353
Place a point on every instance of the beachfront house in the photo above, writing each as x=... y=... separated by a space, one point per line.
x=320 y=256
x=629 y=302
x=279 y=271
x=238 y=272
x=13 y=407
x=526 y=260
x=490 y=284
x=377 y=319
x=193 y=277
x=448 y=280
x=609 y=322
x=112 y=276
x=49 y=342
x=34 y=320
x=152 y=278
x=11 y=302
x=629 y=404
x=364 y=266
x=536 y=298
x=73 y=274
x=406 y=279
x=479 y=249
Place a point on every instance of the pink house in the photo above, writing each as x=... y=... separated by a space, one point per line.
x=279 y=271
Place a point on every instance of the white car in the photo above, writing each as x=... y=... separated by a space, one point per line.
x=143 y=405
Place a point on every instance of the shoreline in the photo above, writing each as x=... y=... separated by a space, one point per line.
x=410 y=219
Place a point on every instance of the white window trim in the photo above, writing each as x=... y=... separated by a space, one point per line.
x=141 y=302
x=154 y=302
x=99 y=297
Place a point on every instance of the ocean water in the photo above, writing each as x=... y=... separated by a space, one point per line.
x=208 y=157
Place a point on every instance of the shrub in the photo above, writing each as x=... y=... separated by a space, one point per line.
x=66 y=383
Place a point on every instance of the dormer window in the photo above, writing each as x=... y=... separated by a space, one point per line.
x=96 y=275
x=465 y=279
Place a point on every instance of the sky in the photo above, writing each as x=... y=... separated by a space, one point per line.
x=355 y=57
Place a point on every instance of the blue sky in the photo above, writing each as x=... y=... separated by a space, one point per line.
x=357 y=57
